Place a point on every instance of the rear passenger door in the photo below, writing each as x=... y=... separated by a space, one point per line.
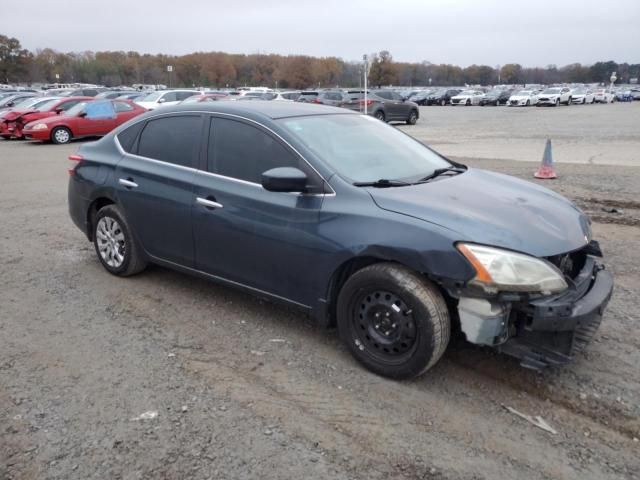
x=251 y=236
x=154 y=181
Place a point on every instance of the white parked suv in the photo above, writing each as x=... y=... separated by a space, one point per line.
x=555 y=96
x=164 y=98
x=467 y=97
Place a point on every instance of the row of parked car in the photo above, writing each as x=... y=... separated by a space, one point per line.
x=552 y=96
x=60 y=116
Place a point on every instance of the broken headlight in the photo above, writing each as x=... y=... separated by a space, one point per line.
x=503 y=270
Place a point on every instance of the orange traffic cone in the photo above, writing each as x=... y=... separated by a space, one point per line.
x=546 y=170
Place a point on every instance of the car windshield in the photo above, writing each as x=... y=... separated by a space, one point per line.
x=467 y=92
x=75 y=110
x=151 y=97
x=23 y=102
x=26 y=103
x=46 y=105
x=579 y=91
x=551 y=90
x=524 y=93
x=363 y=149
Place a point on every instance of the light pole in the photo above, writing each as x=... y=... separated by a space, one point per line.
x=365 y=58
x=613 y=79
x=498 y=69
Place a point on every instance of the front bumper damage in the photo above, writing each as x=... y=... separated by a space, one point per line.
x=543 y=331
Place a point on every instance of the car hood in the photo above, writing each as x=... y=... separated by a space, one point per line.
x=520 y=97
x=13 y=114
x=493 y=209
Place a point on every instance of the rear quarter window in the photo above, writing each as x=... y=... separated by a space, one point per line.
x=128 y=136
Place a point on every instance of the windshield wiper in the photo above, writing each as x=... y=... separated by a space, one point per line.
x=439 y=171
x=382 y=183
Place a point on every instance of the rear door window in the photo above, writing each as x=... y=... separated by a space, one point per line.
x=128 y=137
x=174 y=139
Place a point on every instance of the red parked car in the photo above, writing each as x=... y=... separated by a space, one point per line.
x=75 y=123
x=14 y=121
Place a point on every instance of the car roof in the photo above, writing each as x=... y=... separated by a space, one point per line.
x=260 y=108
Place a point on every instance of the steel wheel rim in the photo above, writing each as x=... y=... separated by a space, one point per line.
x=111 y=242
x=384 y=326
x=62 y=135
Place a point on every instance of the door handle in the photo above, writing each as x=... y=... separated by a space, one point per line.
x=128 y=183
x=208 y=203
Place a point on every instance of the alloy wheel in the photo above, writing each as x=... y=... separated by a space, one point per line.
x=62 y=136
x=110 y=241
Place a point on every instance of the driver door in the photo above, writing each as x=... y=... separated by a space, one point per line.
x=253 y=237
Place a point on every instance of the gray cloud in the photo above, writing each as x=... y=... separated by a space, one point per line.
x=461 y=32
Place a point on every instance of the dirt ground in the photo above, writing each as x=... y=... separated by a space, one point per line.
x=247 y=389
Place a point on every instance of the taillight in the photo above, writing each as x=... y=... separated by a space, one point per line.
x=74 y=158
x=369 y=102
x=315 y=100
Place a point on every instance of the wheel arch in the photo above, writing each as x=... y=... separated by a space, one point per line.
x=94 y=207
x=326 y=316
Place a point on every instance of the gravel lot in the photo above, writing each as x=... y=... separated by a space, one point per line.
x=247 y=389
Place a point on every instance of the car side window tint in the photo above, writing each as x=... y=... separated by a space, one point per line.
x=67 y=105
x=185 y=95
x=174 y=139
x=170 y=97
x=122 y=107
x=244 y=152
x=128 y=137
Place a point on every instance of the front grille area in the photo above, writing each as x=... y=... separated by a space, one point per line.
x=570 y=264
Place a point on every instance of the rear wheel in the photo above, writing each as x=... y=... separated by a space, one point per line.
x=379 y=115
x=468 y=103
x=413 y=118
x=557 y=102
x=117 y=249
x=443 y=102
x=61 y=135
x=393 y=320
x=528 y=103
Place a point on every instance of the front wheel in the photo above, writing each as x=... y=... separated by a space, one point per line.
x=528 y=103
x=413 y=118
x=443 y=102
x=61 y=135
x=393 y=320
x=117 y=249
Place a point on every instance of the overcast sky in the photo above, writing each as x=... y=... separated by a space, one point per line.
x=462 y=32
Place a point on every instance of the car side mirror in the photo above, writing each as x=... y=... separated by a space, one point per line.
x=58 y=110
x=284 y=179
x=162 y=100
x=82 y=114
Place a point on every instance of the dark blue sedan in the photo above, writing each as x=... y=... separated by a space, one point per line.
x=350 y=220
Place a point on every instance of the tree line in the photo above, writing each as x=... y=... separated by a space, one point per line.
x=219 y=69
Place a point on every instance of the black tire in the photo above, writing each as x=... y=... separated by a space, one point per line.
x=443 y=102
x=528 y=103
x=468 y=103
x=384 y=298
x=379 y=115
x=557 y=102
x=413 y=118
x=569 y=102
x=133 y=259
x=61 y=135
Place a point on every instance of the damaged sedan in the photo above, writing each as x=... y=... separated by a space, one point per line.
x=349 y=220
